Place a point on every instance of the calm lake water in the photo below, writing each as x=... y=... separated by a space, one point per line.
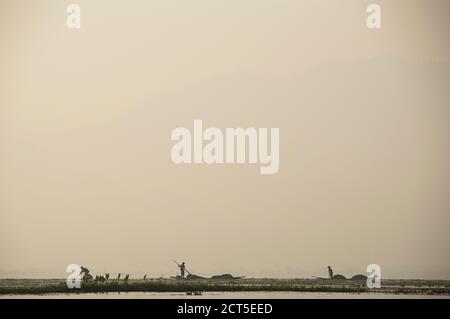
x=226 y=295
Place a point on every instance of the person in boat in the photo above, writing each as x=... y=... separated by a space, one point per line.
x=182 y=269
x=330 y=272
x=85 y=273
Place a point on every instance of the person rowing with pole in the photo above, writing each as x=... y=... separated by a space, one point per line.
x=183 y=269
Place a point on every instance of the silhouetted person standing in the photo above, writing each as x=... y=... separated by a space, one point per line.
x=182 y=269
x=330 y=272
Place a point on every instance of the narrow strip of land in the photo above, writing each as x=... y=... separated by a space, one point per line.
x=46 y=286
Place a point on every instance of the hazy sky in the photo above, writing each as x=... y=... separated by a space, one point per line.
x=86 y=116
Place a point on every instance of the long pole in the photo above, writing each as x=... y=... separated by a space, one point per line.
x=184 y=267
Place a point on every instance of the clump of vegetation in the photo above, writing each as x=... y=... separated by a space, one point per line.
x=185 y=286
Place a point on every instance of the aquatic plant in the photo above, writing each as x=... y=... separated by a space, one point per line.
x=256 y=285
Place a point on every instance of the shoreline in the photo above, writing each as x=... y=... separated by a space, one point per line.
x=389 y=286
